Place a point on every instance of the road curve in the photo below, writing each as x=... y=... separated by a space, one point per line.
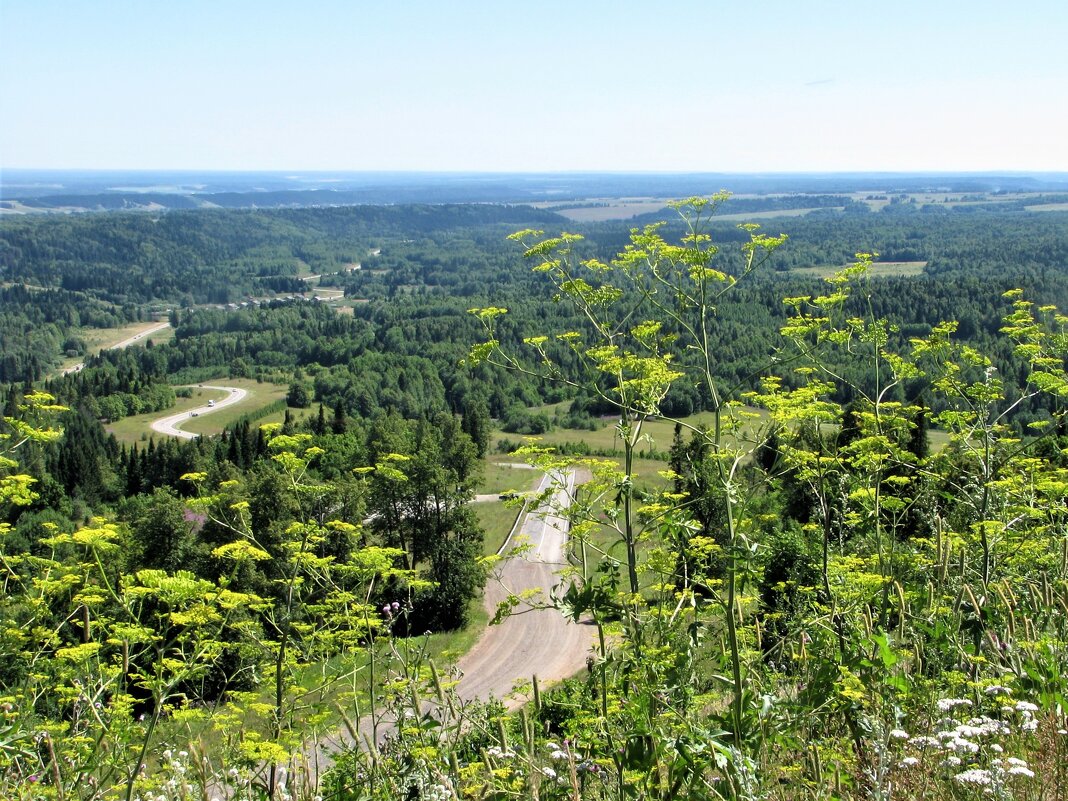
x=169 y=425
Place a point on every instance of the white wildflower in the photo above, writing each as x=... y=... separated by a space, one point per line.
x=1025 y=706
x=997 y=689
x=549 y=773
x=1016 y=762
x=949 y=704
x=899 y=734
x=923 y=741
x=951 y=762
x=961 y=746
x=1020 y=770
x=908 y=762
x=974 y=776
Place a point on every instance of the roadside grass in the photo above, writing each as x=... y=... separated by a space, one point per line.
x=496 y=519
x=97 y=338
x=937 y=440
x=297 y=414
x=500 y=477
x=259 y=395
x=444 y=648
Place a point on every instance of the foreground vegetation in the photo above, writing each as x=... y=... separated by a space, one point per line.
x=809 y=603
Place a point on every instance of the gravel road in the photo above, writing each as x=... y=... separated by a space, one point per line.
x=537 y=642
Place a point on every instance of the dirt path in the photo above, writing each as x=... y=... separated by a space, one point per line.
x=534 y=642
x=169 y=425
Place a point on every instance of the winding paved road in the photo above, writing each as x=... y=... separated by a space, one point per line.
x=169 y=424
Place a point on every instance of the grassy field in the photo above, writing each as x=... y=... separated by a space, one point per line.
x=880 y=269
x=138 y=428
x=259 y=395
x=655 y=444
x=626 y=209
x=657 y=434
x=98 y=338
x=768 y=215
x=1048 y=207
x=616 y=208
x=499 y=477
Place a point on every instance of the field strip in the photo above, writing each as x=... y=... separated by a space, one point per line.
x=123 y=343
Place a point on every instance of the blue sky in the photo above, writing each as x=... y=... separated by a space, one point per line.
x=686 y=86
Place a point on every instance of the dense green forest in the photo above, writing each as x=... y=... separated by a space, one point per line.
x=808 y=590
